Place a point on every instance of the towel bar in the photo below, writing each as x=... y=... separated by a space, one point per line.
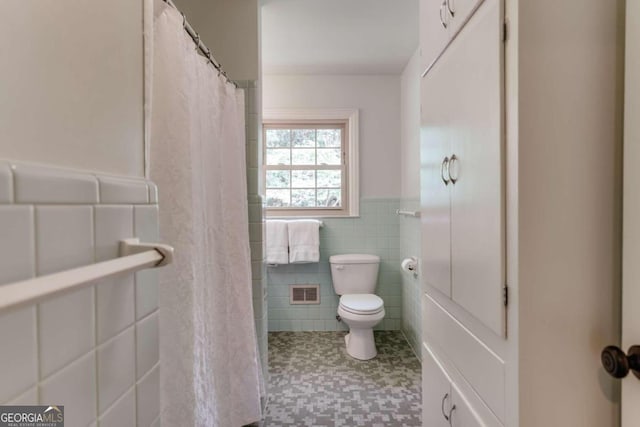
x=134 y=256
x=415 y=214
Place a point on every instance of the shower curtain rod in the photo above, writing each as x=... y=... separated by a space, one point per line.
x=201 y=46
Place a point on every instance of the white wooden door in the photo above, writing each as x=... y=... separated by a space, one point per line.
x=435 y=148
x=631 y=221
x=474 y=64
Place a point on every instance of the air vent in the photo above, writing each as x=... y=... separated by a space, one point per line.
x=304 y=294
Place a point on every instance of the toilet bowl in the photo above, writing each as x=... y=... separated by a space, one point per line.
x=361 y=312
x=354 y=277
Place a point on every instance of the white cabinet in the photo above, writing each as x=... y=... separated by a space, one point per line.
x=460 y=12
x=440 y=21
x=443 y=402
x=434 y=30
x=523 y=160
x=462 y=415
x=436 y=392
x=462 y=172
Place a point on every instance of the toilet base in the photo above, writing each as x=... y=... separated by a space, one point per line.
x=360 y=344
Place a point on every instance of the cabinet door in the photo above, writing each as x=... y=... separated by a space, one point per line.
x=474 y=62
x=436 y=392
x=459 y=11
x=462 y=415
x=435 y=147
x=433 y=34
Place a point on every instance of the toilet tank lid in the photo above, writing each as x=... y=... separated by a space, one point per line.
x=354 y=259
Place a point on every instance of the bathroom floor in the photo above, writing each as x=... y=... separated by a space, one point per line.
x=313 y=382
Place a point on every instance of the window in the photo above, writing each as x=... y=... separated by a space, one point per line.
x=308 y=165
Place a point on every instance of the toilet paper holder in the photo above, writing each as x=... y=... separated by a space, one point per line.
x=410 y=265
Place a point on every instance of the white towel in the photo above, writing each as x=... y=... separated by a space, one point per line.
x=304 y=241
x=277 y=242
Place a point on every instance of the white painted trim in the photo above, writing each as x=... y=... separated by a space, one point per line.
x=351 y=115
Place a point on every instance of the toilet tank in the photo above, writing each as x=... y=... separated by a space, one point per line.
x=354 y=273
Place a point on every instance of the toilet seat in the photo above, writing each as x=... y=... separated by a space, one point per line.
x=362 y=304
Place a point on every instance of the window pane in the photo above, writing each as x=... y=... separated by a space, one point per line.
x=303 y=156
x=278 y=138
x=329 y=178
x=303 y=198
x=329 y=198
x=329 y=156
x=278 y=178
x=303 y=179
x=278 y=198
x=329 y=137
x=278 y=156
x=304 y=137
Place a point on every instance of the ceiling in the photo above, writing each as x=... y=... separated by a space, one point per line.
x=338 y=36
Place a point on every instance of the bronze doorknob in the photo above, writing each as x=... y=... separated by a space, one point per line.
x=618 y=364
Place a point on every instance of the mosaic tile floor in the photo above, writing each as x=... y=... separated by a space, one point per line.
x=313 y=382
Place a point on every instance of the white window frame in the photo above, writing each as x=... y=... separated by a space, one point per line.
x=348 y=116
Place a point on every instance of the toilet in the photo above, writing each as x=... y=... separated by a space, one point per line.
x=354 y=279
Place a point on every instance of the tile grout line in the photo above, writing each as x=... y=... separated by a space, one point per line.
x=37 y=307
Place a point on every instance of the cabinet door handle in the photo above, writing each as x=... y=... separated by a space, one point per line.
x=442 y=17
x=453 y=160
x=445 y=164
x=444 y=399
x=453 y=408
x=452 y=10
x=618 y=364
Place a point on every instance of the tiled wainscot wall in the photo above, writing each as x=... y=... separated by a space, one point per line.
x=411 y=289
x=375 y=232
x=256 y=216
x=95 y=350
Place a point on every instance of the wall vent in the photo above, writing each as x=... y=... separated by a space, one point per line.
x=304 y=294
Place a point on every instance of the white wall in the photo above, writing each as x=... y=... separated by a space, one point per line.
x=230 y=28
x=71 y=79
x=377 y=97
x=410 y=128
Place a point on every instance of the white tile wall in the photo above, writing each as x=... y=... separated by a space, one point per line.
x=122 y=413
x=65 y=238
x=30 y=397
x=94 y=350
x=18 y=338
x=153 y=193
x=35 y=184
x=147 y=349
x=75 y=388
x=6 y=183
x=148 y=398
x=116 y=190
x=116 y=368
x=66 y=330
x=17 y=252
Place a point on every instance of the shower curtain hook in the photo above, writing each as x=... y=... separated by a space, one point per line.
x=209 y=59
x=184 y=20
x=197 y=40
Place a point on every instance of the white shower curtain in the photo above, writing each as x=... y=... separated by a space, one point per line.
x=210 y=374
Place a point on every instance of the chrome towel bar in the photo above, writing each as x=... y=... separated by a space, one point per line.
x=415 y=214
